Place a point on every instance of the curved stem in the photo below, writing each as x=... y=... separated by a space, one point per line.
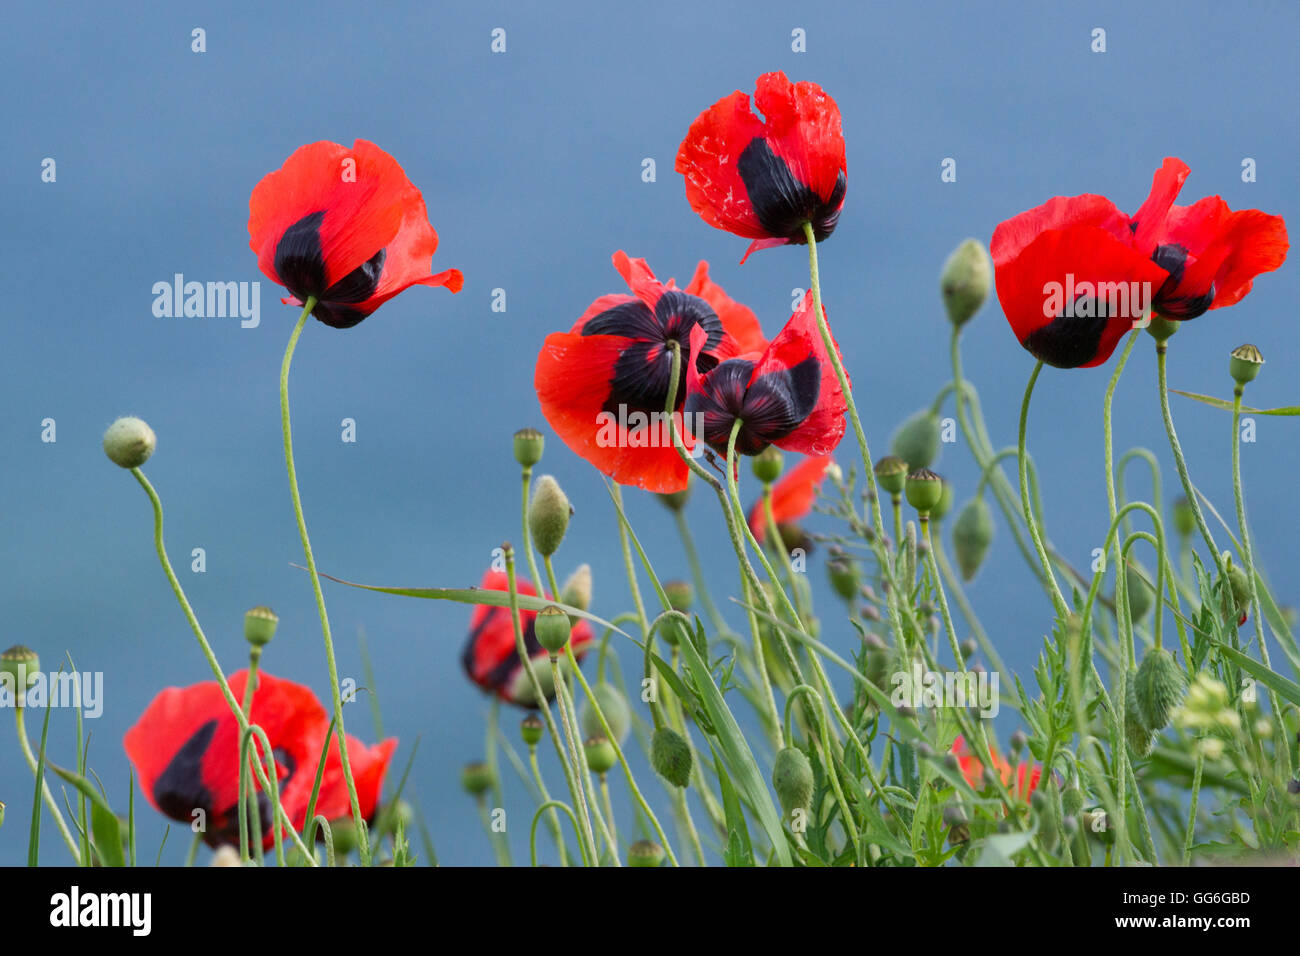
x=1058 y=600
x=26 y=747
x=363 y=840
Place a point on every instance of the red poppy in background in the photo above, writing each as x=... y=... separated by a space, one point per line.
x=491 y=657
x=1075 y=274
x=346 y=226
x=603 y=385
x=787 y=395
x=1021 y=780
x=764 y=178
x=792 y=497
x=185 y=750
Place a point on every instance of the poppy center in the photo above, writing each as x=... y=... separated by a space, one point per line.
x=1171 y=301
x=769 y=408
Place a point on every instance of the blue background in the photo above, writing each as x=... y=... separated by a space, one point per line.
x=530 y=163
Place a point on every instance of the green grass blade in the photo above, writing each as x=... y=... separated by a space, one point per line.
x=34 y=840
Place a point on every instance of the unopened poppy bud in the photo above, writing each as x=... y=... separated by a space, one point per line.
x=1236 y=593
x=1184 y=517
x=225 y=855
x=952 y=762
x=972 y=536
x=1139 y=591
x=767 y=464
x=645 y=853
x=792 y=779
x=476 y=778
x=529 y=444
x=670 y=756
x=259 y=626
x=614 y=706
x=891 y=472
x=968 y=647
x=548 y=515
x=843 y=574
x=917 y=440
x=129 y=442
x=600 y=754
x=676 y=500
x=1018 y=740
x=680 y=595
x=20 y=665
x=1245 y=364
x=876 y=660
x=344 y=832
x=1071 y=800
x=938 y=512
x=531 y=728
x=1161 y=686
x=577 y=589
x=965 y=281
x=924 y=489
x=551 y=628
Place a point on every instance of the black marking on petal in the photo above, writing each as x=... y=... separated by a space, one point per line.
x=299 y=261
x=1070 y=340
x=179 y=789
x=1172 y=257
x=678 y=313
x=773 y=406
x=632 y=320
x=782 y=203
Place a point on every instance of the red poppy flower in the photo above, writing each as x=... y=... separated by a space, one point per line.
x=764 y=178
x=346 y=226
x=1075 y=274
x=792 y=497
x=185 y=750
x=491 y=657
x=1025 y=776
x=603 y=385
x=787 y=395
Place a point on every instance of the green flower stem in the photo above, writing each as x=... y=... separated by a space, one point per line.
x=499 y=846
x=586 y=840
x=1162 y=352
x=267 y=756
x=552 y=805
x=697 y=574
x=778 y=545
x=363 y=841
x=569 y=718
x=846 y=809
x=554 y=815
x=1191 y=813
x=1248 y=555
x=1058 y=600
x=250 y=683
x=609 y=815
x=46 y=795
x=630 y=566
x=494 y=765
x=209 y=655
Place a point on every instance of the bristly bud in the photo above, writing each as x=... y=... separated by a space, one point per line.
x=918 y=440
x=972 y=536
x=767 y=464
x=1161 y=686
x=965 y=281
x=891 y=473
x=600 y=754
x=477 y=778
x=680 y=595
x=548 y=515
x=924 y=489
x=614 y=706
x=1184 y=517
x=1071 y=800
x=259 y=625
x=877 y=660
x=129 y=442
x=1136 y=732
x=529 y=444
x=1235 y=594
x=577 y=589
x=531 y=729
x=843 y=574
x=792 y=779
x=551 y=627
x=1245 y=363
x=1140 y=594
x=645 y=853
x=670 y=756
x=20 y=665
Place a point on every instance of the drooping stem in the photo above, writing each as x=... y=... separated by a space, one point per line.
x=1058 y=600
x=336 y=697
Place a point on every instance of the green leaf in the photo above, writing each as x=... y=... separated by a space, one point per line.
x=1227 y=406
x=108 y=834
x=1266 y=676
x=34 y=840
x=1001 y=847
x=739 y=851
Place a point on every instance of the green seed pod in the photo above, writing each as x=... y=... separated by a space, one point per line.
x=615 y=708
x=1071 y=800
x=1184 y=517
x=680 y=595
x=1140 y=594
x=577 y=588
x=1245 y=364
x=767 y=464
x=259 y=626
x=129 y=442
x=972 y=536
x=18 y=669
x=792 y=778
x=924 y=489
x=965 y=281
x=551 y=628
x=529 y=444
x=1136 y=732
x=531 y=729
x=1161 y=686
x=843 y=574
x=670 y=756
x=1162 y=329
x=645 y=853
x=891 y=473
x=600 y=754
x=477 y=778
x=548 y=515
x=917 y=440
